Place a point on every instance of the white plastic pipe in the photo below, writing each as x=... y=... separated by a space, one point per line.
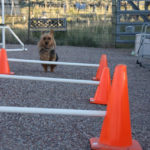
x=1 y=27
x=50 y=79
x=17 y=38
x=15 y=50
x=4 y=27
x=3 y=22
x=33 y=110
x=52 y=62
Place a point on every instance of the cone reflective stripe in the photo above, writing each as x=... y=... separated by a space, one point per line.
x=116 y=129
x=102 y=64
x=4 y=66
x=103 y=89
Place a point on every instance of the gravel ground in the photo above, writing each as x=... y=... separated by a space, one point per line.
x=52 y=132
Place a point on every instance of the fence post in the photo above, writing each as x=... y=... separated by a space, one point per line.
x=114 y=22
x=29 y=18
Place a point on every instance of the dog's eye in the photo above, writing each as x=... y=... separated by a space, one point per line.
x=49 y=38
x=44 y=38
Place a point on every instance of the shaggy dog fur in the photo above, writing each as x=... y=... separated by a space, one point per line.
x=47 y=52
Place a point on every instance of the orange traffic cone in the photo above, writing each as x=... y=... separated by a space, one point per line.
x=102 y=64
x=103 y=89
x=116 y=128
x=4 y=66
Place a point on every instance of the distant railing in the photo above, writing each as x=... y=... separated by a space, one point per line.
x=128 y=21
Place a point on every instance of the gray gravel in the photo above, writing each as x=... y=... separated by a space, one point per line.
x=52 y=132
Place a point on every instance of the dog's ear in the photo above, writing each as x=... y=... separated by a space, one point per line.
x=52 y=32
x=42 y=33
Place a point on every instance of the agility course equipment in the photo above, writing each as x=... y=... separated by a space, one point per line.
x=4 y=27
x=103 y=89
x=102 y=64
x=4 y=66
x=52 y=62
x=50 y=79
x=4 y=70
x=116 y=128
x=52 y=111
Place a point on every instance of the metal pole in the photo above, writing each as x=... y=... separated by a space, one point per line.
x=114 y=21
x=17 y=38
x=3 y=23
x=33 y=110
x=50 y=79
x=29 y=19
x=52 y=62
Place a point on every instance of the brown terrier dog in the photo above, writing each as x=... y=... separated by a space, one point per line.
x=47 y=51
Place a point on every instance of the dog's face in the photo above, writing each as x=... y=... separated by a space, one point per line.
x=47 y=40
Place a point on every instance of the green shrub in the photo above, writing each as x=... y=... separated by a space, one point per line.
x=96 y=35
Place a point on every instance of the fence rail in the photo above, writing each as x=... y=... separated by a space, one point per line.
x=126 y=20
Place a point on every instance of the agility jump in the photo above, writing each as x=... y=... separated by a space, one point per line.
x=4 y=27
x=50 y=79
x=52 y=62
x=116 y=129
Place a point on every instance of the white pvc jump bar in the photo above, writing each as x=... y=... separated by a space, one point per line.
x=52 y=62
x=50 y=79
x=15 y=50
x=33 y=110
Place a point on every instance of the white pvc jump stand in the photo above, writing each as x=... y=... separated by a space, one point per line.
x=4 y=27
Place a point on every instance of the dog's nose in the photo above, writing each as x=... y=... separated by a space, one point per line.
x=46 y=43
